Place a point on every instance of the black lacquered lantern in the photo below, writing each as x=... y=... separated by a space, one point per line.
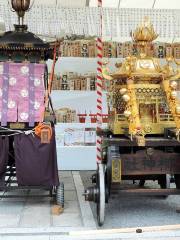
x=21 y=48
x=21 y=45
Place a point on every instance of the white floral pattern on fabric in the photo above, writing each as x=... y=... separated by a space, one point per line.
x=1 y=93
x=36 y=105
x=1 y=69
x=37 y=82
x=11 y=104
x=12 y=81
x=24 y=116
x=24 y=93
x=24 y=70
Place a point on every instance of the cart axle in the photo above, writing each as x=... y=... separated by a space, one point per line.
x=91 y=194
x=146 y=192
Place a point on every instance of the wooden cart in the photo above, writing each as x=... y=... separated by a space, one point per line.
x=124 y=160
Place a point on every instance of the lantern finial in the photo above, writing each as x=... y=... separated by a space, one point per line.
x=20 y=7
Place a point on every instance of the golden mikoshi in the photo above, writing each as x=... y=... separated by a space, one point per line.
x=142 y=98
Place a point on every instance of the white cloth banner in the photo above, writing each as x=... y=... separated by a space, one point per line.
x=53 y=20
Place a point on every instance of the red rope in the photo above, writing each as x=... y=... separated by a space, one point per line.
x=99 y=88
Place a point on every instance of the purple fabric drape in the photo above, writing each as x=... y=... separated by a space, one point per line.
x=36 y=163
x=4 y=149
x=5 y=88
x=21 y=92
x=31 y=95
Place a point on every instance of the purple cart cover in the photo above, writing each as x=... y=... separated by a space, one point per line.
x=4 y=149
x=36 y=163
x=24 y=99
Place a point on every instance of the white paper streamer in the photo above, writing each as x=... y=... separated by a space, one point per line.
x=52 y=20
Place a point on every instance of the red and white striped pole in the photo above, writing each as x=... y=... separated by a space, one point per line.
x=99 y=87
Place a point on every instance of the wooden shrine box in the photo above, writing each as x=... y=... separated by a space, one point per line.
x=112 y=49
x=84 y=48
x=88 y=83
x=159 y=50
x=65 y=48
x=71 y=84
x=92 y=48
x=119 y=50
x=65 y=115
x=176 y=50
x=76 y=49
x=62 y=49
x=127 y=49
x=56 y=84
x=105 y=49
x=168 y=50
x=65 y=82
x=77 y=83
x=83 y=83
x=92 y=84
x=109 y=49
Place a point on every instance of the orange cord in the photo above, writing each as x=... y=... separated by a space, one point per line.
x=43 y=127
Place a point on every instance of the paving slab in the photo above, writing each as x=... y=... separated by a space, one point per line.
x=38 y=231
x=63 y=174
x=67 y=220
x=71 y=207
x=35 y=216
x=70 y=195
x=87 y=215
x=8 y=207
x=35 y=212
x=67 y=180
x=10 y=213
x=69 y=186
x=10 y=220
x=150 y=233
x=43 y=237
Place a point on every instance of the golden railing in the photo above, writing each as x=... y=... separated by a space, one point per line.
x=166 y=117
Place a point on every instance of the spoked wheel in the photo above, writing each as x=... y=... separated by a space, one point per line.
x=108 y=173
x=60 y=195
x=100 y=184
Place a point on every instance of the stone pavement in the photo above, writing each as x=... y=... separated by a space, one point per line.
x=31 y=219
x=35 y=213
x=134 y=211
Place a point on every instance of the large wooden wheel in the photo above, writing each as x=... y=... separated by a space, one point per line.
x=100 y=186
x=164 y=181
x=177 y=180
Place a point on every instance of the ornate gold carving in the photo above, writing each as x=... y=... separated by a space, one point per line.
x=17 y=125
x=116 y=170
